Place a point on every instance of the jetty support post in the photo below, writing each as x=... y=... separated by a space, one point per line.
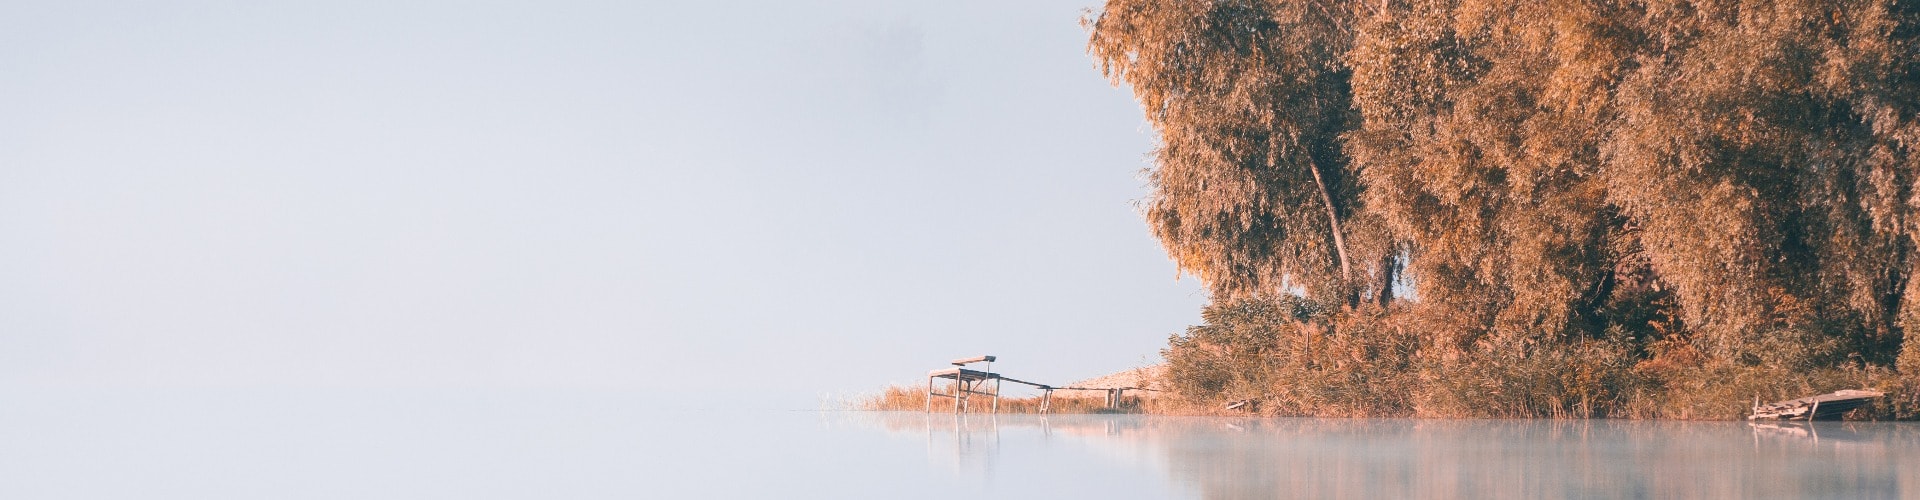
x=996 y=393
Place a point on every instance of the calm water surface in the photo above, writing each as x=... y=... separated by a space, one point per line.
x=540 y=445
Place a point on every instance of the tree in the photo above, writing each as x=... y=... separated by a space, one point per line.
x=1763 y=148
x=1477 y=146
x=1732 y=176
x=1251 y=190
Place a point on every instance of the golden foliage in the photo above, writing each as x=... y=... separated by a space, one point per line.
x=1728 y=178
x=1251 y=192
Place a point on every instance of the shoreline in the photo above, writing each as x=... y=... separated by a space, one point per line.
x=1148 y=393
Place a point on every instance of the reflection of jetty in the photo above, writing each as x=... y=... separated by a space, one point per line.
x=968 y=382
x=1822 y=407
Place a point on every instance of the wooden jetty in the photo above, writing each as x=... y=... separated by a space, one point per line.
x=965 y=382
x=1823 y=407
x=968 y=382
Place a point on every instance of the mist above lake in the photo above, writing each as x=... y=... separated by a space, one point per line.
x=546 y=444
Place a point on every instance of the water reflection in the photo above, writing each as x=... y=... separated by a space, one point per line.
x=972 y=442
x=1225 y=458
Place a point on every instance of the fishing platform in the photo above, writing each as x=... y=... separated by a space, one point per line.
x=966 y=382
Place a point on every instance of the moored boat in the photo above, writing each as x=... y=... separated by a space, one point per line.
x=1823 y=407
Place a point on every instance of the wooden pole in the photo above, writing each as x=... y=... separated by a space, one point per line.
x=996 y=394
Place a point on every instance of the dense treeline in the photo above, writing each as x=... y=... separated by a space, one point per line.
x=1626 y=208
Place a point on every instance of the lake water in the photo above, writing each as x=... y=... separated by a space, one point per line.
x=535 y=445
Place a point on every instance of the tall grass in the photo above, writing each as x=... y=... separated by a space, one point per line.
x=1290 y=357
x=914 y=398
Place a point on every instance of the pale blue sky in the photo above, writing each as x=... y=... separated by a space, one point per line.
x=799 y=197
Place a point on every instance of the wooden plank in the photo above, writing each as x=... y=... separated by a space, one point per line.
x=1017 y=381
x=975 y=359
x=962 y=374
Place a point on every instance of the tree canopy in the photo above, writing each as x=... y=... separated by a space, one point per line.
x=1733 y=178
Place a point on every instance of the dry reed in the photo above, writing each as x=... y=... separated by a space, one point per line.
x=914 y=398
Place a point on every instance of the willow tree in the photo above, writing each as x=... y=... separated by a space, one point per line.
x=1733 y=180
x=1251 y=190
x=1764 y=149
x=1478 y=145
x=1751 y=156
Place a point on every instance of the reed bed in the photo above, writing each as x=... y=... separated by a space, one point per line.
x=914 y=398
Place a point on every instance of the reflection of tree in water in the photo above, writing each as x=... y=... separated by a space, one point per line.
x=1538 y=459
x=1229 y=458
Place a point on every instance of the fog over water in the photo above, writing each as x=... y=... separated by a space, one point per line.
x=574 y=249
x=549 y=444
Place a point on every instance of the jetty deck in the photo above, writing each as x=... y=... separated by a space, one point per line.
x=968 y=382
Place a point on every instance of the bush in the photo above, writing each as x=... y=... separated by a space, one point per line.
x=1289 y=356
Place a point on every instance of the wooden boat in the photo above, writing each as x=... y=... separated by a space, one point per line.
x=1823 y=407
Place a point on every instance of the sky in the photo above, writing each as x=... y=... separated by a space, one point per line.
x=799 y=200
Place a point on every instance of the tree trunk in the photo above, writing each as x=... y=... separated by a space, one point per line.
x=1339 y=238
x=1890 y=332
x=1385 y=295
